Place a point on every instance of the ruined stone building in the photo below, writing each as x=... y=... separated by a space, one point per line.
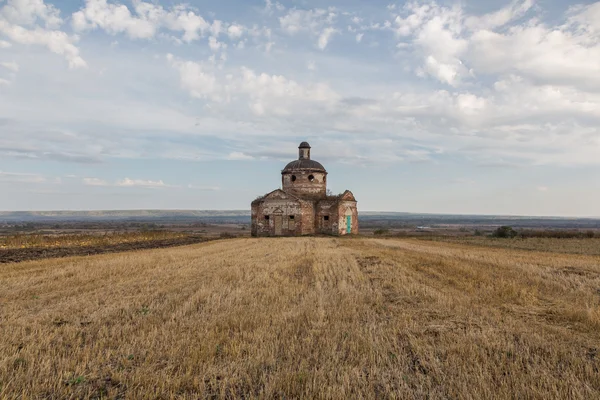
x=302 y=206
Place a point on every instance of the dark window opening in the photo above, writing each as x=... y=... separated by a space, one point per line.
x=326 y=218
x=311 y=178
x=293 y=178
x=291 y=217
x=266 y=217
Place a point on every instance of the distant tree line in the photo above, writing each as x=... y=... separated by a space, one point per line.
x=509 y=232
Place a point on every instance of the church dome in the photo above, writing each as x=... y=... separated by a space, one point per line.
x=306 y=164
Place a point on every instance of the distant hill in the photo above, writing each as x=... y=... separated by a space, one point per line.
x=367 y=218
x=116 y=215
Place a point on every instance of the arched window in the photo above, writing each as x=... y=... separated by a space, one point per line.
x=311 y=178
x=293 y=178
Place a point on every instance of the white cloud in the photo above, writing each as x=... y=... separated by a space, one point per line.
x=116 y=18
x=470 y=104
x=586 y=18
x=56 y=41
x=214 y=44
x=275 y=94
x=126 y=182
x=417 y=14
x=263 y=93
x=325 y=37
x=197 y=78
x=18 y=177
x=216 y=28
x=95 y=182
x=235 y=31
x=516 y=9
x=270 y=6
x=146 y=20
x=239 y=156
x=19 y=22
x=515 y=89
x=28 y=12
x=302 y=20
x=540 y=53
x=515 y=119
x=455 y=46
x=191 y=24
x=317 y=22
x=11 y=66
x=440 y=44
x=444 y=72
x=141 y=183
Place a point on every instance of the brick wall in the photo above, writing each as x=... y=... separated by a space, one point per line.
x=303 y=186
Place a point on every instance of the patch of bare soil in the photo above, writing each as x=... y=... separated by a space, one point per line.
x=36 y=253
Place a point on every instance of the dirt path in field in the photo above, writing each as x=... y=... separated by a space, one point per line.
x=36 y=253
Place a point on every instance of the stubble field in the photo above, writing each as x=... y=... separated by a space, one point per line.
x=303 y=318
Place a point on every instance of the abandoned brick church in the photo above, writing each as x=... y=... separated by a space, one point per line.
x=302 y=206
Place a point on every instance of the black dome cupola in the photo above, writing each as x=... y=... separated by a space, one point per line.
x=304 y=162
x=304 y=151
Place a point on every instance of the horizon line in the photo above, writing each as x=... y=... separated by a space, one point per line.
x=248 y=211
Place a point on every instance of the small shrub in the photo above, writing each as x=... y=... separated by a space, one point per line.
x=76 y=380
x=505 y=232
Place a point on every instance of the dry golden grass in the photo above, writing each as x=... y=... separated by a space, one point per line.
x=589 y=246
x=303 y=318
x=23 y=241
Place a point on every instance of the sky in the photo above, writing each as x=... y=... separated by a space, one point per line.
x=469 y=107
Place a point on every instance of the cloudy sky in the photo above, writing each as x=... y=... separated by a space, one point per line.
x=440 y=106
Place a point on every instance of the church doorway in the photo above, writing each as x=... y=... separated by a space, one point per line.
x=278 y=225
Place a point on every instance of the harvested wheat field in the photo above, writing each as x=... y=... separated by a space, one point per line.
x=303 y=318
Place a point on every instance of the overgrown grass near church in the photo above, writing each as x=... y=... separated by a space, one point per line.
x=303 y=318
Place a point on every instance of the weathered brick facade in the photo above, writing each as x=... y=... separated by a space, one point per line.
x=302 y=206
